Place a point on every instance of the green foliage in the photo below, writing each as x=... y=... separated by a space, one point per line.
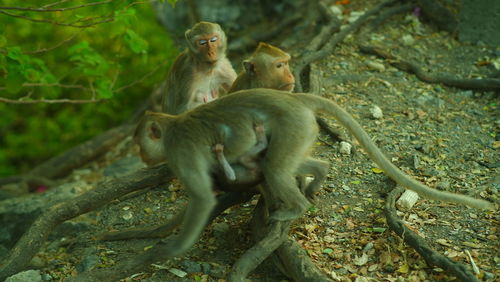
x=122 y=45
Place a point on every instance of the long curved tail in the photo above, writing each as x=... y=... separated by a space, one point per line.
x=322 y=105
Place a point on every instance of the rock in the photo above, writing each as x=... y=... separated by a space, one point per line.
x=376 y=112
x=407 y=200
x=376 y=66
x=26 y=276
x=345 y=148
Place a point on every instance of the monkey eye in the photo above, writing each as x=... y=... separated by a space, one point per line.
x=203 y=42
x=213 y=39
x=280 y=65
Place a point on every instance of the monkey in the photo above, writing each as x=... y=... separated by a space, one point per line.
x=185 y=143
x=267 y=67
x=200 y=72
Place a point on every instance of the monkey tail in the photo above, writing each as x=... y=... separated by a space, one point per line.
x=319 y=104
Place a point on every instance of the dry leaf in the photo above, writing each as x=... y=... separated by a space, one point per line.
x=359 y=261
x=405 y=268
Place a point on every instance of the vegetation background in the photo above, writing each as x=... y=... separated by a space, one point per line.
x=104 y=56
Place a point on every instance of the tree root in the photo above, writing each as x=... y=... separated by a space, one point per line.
x=289 y=257
x=485 y=84
x=273 y=235
x=332 y=43
x=411 y=238
x=106 y=190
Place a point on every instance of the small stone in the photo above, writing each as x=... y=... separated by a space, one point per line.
x=376 y=112
x=345 y=148
x=376 y=66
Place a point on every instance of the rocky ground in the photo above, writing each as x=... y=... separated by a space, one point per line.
x=445 y=137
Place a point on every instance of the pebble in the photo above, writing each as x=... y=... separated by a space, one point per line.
x=376 y=112
x=376 y=66
x=345 y=148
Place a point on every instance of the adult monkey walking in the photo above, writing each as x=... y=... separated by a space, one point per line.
x=200 y=72
x=289 y=121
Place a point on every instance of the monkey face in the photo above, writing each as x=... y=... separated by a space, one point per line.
x=279 y=75
x=208 y=47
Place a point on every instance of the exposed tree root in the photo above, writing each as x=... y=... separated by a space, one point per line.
x=333 y=41
x=105 y=191
x=289 y=257
x=272 y=235
x=411 y=238
x=486 y=84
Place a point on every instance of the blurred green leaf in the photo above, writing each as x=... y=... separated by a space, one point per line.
x=135 y=42
x=15 y=80
x=103 y=88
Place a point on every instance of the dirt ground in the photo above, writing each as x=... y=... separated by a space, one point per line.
x=445 y=137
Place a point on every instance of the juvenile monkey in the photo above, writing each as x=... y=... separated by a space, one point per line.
x=289 y=121
x=199 y=72
x=266 y=68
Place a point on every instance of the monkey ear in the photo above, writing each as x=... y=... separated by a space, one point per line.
x=187 y=35
x=154 y=131
x=249 y=67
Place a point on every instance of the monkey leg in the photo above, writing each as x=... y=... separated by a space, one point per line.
x=282 y=160
x=224 y=201
x=318 y=169
x=226 y=167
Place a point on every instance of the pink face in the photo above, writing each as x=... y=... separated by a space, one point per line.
x=208 y=46
x=279 y=76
